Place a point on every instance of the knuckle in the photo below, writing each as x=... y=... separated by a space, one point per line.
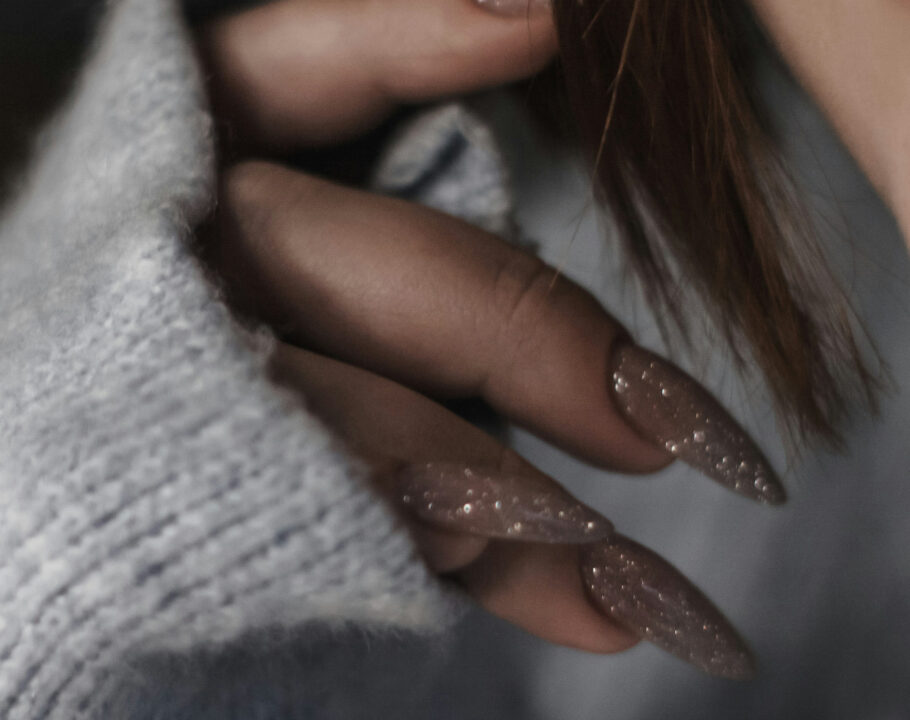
x=521 y=296
x=523 y=285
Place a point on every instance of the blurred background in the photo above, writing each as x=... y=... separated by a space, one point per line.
x=821 y=587
x=41 y=44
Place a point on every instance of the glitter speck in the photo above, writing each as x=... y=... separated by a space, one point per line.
x=406 y=499
x=467 y=508
x=699 y=436
x=497 y=505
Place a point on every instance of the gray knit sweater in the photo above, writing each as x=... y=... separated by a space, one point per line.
x=157 y=493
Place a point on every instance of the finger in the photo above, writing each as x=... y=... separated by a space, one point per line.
x=450 y=310
x=429 y=301
x=317 y=71
x=537 y=587
x=349 y=400
x=440 y=468
x=540 y=587
x=581 y=594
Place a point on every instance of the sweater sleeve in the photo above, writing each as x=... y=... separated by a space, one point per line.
x=156 y=491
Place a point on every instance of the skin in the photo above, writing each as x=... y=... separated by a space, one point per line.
x=854 y=58
x=414 y=306
x=293 y=73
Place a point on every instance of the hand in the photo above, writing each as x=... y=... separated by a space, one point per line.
x=384 y=308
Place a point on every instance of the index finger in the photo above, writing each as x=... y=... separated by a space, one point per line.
x=445 y=308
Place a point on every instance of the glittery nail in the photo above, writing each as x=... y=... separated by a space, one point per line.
x=515 y=7
x=486 y=502
x=670 y=408
x=641 y=591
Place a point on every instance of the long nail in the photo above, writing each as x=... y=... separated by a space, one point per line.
x=671 y=409
x=641 y=591
x=515 y=7
x=482 y=501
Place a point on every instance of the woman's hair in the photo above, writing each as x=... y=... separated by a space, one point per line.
x=683 y=159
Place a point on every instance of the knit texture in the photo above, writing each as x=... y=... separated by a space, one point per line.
x=157 y=493
x=447 y=158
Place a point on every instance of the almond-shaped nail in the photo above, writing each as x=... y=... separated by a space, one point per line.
x=483 y=501
x=641 y=591
x=513 y=8
x=674 y=411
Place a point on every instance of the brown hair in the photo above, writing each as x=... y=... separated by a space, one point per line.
x=663 y=104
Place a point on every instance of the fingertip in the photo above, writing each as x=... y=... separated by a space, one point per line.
x=461 y=47
x=539 y=589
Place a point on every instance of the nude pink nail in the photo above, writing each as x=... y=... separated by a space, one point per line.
x=644 y=593
x=483 y=501
x=515 y=8
x=671 y=409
